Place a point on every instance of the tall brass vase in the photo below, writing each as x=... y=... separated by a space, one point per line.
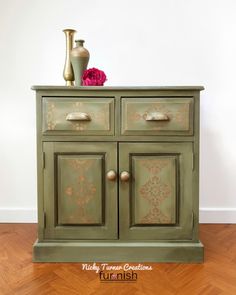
x=79 y=57
x=68 y=73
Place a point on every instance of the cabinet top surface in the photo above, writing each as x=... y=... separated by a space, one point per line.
x=103 y=88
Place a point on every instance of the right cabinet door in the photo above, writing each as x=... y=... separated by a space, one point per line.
x=155 y=196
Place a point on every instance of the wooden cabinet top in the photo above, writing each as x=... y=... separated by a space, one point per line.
x=117 y=88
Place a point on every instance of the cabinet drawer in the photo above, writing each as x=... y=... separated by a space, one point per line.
x=157 y=116
x=78 y=116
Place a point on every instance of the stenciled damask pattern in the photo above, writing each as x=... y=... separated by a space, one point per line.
x=101 y=117
x=155 y=191
x=51 y=125
x=154 y=166
x=56 y=116
x=180 y=115
x=81 y=192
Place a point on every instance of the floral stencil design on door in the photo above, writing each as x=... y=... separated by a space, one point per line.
x=156 y=190
x=80 y=192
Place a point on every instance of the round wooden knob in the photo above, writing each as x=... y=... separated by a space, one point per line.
x=111 y=175
x=124 y=176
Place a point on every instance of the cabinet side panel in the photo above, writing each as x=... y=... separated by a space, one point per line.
x=196 y=165
x=40 y=167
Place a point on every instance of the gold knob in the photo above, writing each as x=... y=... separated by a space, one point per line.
x=111 y=175
x=124 y=176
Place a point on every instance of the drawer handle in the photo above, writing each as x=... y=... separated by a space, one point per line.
x=156 y=116
x=111 y=175
x=78 y=116
x=124 y=176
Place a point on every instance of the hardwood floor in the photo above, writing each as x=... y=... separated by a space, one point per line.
x=18 y=275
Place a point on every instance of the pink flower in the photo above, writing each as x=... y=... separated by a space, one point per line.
x=93 y=77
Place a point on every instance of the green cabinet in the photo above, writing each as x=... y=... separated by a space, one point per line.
x=118 y=174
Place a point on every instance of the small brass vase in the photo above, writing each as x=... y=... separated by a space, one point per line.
x=68 y=73
x=79 y=57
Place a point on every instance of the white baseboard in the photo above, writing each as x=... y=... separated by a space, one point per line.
x=18 y=215
x=29 y=215
x=217 y=215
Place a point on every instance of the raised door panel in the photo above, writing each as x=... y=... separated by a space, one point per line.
x=156 y=201
x=154 y=190
x=80 y=192
x=80 y=203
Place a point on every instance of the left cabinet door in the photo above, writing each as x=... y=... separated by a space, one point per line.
x=80 y=202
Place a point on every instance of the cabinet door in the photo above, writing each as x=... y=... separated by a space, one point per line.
x=156 y=200
x=79 y=201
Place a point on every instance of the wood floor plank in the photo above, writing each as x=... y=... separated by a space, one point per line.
x=19 y=276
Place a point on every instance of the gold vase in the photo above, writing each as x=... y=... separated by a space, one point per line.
x=68 y=73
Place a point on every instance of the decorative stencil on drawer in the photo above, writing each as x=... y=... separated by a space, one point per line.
x=153 y=116
x=59 y=116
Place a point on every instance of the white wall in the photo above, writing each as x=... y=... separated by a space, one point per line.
x=136 y=42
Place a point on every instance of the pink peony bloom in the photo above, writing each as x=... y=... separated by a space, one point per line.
x=93 y=77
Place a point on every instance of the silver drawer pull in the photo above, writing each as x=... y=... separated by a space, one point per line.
x=78 y=116
x=156 y=116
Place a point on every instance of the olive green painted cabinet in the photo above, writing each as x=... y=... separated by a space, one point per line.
x=118 y=174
